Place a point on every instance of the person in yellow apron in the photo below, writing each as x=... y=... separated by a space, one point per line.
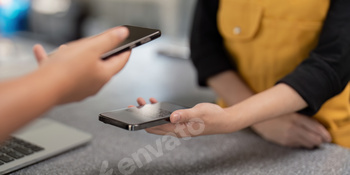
x=277 y=55
x=267 y=40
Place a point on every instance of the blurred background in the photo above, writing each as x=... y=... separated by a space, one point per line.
x=160 y=69
x=54 y=22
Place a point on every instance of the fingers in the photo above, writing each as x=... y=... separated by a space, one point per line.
x=155 y=131
x=177 y=130
x=308 y=139
x=116 y=64
x=131 y=106
x=309 y=132
x=141 y=101
x=313 y=126
x=108 y=40
x=40 y=53
x=153 y=100
x=181 y=116
x=162 y=129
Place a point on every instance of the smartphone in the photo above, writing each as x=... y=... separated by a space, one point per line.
x=141 y=117
x=137 y=36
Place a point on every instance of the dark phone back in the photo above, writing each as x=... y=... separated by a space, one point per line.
x=137 y=36
x=141 y=117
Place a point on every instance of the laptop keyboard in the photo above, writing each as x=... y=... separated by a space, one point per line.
x=15 y=148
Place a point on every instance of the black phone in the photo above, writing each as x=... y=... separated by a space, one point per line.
x=141 y=117
x=137 y=36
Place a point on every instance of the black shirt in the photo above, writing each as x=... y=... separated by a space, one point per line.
x=324 y=74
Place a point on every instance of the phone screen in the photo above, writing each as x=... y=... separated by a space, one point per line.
x=137 y=36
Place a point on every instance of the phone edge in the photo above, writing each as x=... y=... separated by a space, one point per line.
x=133 y=127
x=132 y=45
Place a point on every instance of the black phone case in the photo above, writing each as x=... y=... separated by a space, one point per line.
x=137 y=36
x=133 y=127
x=162 y=109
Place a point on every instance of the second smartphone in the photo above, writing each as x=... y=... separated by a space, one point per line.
x=140 y=117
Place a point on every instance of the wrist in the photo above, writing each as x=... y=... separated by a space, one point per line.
x=55 y=83
x=236 y=119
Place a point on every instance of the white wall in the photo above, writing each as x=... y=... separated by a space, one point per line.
x=173 y=17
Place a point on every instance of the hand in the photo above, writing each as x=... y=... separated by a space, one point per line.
x=202 y=119
x=77 y=68
x=293 y=130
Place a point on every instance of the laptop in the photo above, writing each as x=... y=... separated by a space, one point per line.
x=41 y=139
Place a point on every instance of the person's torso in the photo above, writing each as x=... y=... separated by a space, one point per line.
x=268 y=39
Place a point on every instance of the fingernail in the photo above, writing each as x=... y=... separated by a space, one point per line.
x=329 y=139
x=121 y=32
x=176 y=117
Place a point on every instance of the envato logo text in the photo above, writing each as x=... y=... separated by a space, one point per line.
x=168 y=142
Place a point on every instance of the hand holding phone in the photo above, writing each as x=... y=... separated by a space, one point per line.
x=137 y=36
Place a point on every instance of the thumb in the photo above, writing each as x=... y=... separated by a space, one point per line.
x=108 y=40
x=181 y=116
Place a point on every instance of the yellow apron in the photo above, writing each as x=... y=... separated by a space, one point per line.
x=268 y=39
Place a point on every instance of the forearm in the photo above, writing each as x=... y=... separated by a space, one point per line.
x=276 y=101
x=25 y=98
x=230 y=87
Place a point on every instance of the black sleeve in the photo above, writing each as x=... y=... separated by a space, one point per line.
x=207 y=50
x=327 y=70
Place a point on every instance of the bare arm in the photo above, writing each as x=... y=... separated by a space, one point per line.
x=25 y=98
x=230 y=87
x=276 y=101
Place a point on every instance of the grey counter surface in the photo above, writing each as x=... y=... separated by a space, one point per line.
x=151 y=75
